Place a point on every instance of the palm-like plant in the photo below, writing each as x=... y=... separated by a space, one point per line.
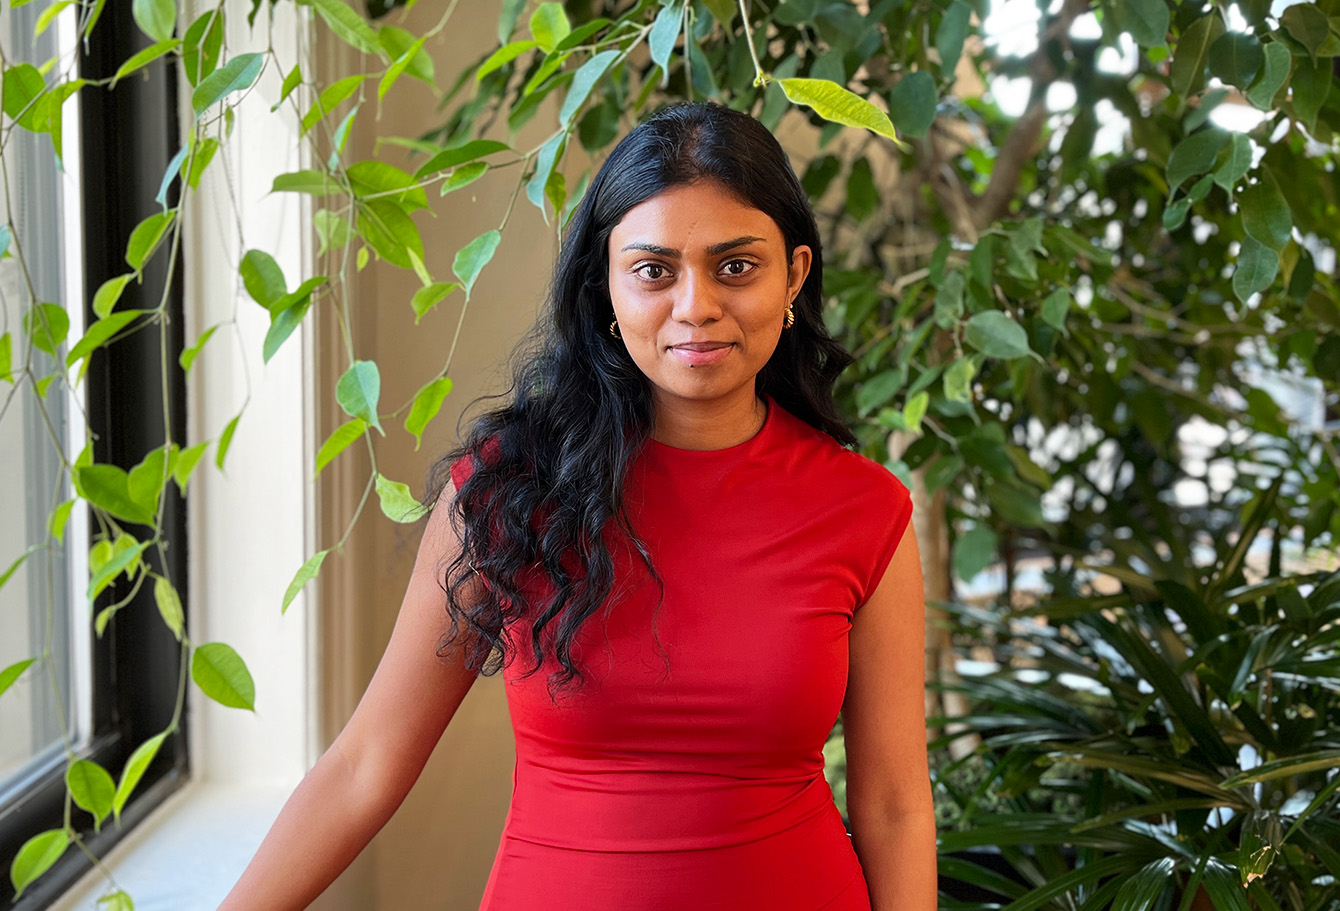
x=1194 y=720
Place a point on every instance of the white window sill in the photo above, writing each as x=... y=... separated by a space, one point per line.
x=189 y=852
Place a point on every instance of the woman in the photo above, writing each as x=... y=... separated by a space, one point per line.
x=682 y=571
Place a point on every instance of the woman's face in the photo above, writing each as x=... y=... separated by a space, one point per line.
x=695 y=266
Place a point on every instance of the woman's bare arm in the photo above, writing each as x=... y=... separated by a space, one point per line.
x=889 y=799
x=359 y=782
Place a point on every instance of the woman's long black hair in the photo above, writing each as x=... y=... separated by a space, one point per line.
x=581 y=409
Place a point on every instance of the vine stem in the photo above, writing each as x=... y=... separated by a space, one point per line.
x=760 y=79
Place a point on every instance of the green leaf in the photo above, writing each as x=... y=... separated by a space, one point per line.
x=376 y=177
x=234 y=76
x=339 y=441
x=958 y=379
x=511 y=12
x=348 y=26
x=136 y=766
x=222 y=675
x=722 y=10
x=1308 y=25
x=144 y=57
x=1187 y=73
x=427 y=403
x=99 y=334
x=188 y=355
x=38 y=855
x=879 y=390
x=186 y=462
x=549 y=25
x=862 y=195
x=397 y=503
x=664 y=33
x=996 y=335
x=1194 y=155
x=430 y=296
x=23 y=85
x=1235 y=58
x=330 y=98
x=1256 y=268
x=835 y=103
x=973 y=552
x=226 y=440
x=332 y=230
x=91 y=786
x=15 y=670
x=262 y=277
x=358 y=392
x=1311 y=84
x=117 y=901
x=203 y=156
x=396 y=69
x=390 y=231
x=6 y=358
x=503 y=56
x=291 y=82
x=47 y=325
x=169 y=606
x=1055 y=308
x=1147 y=21
x=50 y=13
x=1265 y=214
x=281 y=327
x=1274 y=73
x=124 y=560
x=59 y=517
x=318 y=183
x=156 y=18
x=108 y=487
x=463 y=176
x=585 y=79
x=912 y=103
x=396 y=41
x=109 y=293
x=473 y=257
x=544 y=167
x=949 y=36
x=306 y=573
x=915 y=410
x=202 y=45
x=146 y=237
x=449 y=158
x=1236 y=164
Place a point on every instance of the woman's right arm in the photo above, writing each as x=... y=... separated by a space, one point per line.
x=358 y=783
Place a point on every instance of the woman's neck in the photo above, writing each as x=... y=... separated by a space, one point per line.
x=708 y=424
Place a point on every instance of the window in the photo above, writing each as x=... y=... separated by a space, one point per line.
x=119 y=689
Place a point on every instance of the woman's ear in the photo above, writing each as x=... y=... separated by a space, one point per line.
x=798 y=270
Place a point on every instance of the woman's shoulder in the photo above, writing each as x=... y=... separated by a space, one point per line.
x=819 y=454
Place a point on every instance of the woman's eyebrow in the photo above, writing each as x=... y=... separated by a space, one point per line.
x=711 y=251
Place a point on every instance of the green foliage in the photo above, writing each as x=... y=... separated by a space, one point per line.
x=996 y=276
x=1184 y=727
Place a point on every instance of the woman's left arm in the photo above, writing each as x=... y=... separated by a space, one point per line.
x=889 y=801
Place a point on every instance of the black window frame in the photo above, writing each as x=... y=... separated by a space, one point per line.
x=128 y=136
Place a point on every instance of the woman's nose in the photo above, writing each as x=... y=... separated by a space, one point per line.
x=696 y=299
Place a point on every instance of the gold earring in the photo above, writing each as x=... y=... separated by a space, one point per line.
x=614 y=329
x=790 y=318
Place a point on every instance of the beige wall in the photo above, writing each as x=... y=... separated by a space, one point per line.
x=438 y=849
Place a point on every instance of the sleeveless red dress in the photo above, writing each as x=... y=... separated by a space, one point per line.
x=690 y=774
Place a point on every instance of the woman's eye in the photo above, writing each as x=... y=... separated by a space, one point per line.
x=657 y=268
x=733 y=271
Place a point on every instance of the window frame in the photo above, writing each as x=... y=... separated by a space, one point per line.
x=127 y=137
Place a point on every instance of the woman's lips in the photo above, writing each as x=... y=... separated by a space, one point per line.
x=699 y=355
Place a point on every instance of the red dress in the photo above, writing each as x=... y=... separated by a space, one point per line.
x=701 y=785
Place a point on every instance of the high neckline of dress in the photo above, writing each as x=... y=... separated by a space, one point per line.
x=740 y=449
